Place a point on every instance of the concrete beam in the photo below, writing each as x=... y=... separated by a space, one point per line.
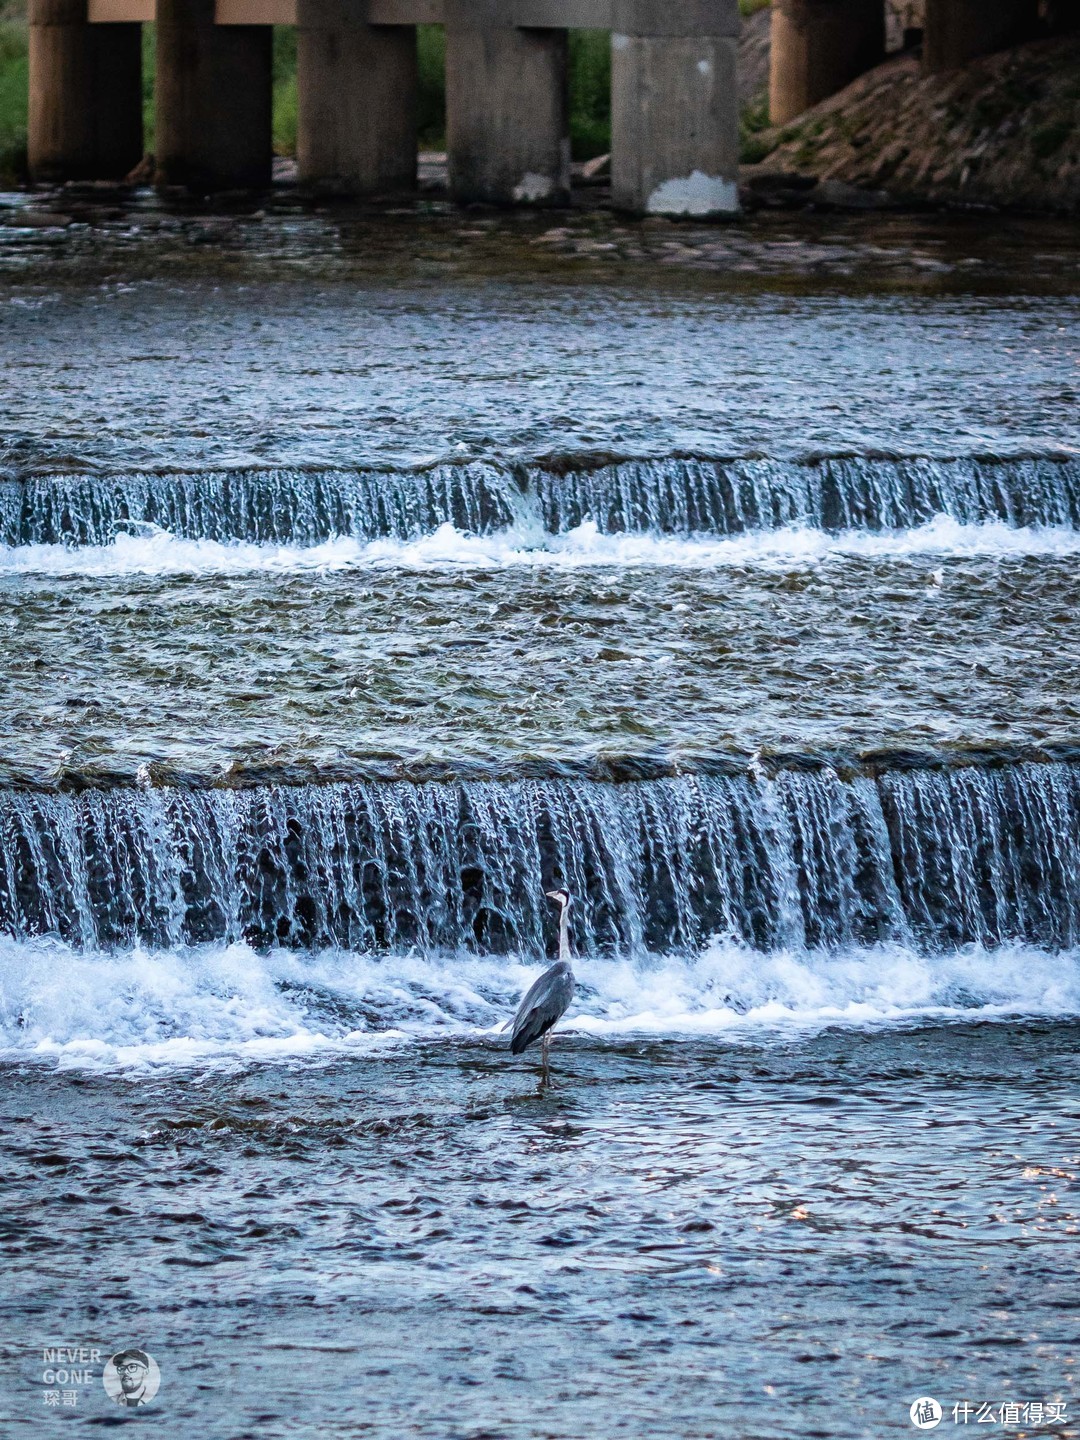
x=214 y=86
x=403 y=12
x=628 y=17
x=956 y=31
x=631 y=17
x=85 y=101
x=116 y=12
x=818 y=47
x=357 y=86
x=674 y=125
x=507 y=109
x=701 y=18
x=253 y=12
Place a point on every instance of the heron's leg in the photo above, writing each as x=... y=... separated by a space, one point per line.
x=545 y=1074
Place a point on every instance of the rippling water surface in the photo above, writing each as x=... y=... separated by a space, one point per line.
x=362 y=577
x=769 y=1238
x=300 y=374
x=566 y=661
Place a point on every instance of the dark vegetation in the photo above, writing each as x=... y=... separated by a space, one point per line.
x=13 y=82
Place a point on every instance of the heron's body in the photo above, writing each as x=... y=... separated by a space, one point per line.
x=545 y=1003
x=547 y=1000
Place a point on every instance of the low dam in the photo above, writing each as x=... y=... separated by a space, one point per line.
x=802 y=861
x=663 y=497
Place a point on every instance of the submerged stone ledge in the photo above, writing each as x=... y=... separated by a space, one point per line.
x=602 y=768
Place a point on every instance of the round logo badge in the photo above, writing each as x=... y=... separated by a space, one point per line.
x=131 y=1378
x=925 y=1413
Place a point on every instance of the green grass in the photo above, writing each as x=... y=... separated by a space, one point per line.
x=431 y=55
x=285 y=102
x=149 y=42
x=752 y=121
x=590 y=93
x=590 y=90
x=13 y=91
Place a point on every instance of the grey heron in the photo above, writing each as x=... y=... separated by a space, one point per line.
x=547 y=999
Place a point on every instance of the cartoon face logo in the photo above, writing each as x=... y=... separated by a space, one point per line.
x=131 y=1378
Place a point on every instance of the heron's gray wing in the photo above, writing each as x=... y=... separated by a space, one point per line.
x=544 y=1003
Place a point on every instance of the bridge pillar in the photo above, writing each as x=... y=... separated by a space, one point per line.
x=85 y=102
x=675 y=121
x=818 y=47
x=507 y=109
x=956 y=31
x=213 y=100
x=358 y=84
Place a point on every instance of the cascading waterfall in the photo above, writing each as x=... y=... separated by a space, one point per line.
x=845 y=493
x=931 y=859
x=288 y=507
x=666 y=496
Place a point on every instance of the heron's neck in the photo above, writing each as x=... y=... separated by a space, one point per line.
x=564 y=934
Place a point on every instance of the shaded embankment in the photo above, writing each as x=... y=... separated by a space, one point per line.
x=1003 y=131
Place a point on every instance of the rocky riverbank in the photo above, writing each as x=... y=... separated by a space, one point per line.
x=1004 y=132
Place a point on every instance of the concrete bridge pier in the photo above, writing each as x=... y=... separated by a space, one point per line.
x=819 y=46
x=674 y=108
x=358 y=85
x=214 y=100
x=85 y=103
x=956 y=31
x=507 y=108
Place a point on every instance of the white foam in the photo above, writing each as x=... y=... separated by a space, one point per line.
x=585 y=547
x=533 y=187
x=695 y=194
x=226 y=1005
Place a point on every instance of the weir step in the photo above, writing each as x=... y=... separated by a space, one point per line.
x=934 y=859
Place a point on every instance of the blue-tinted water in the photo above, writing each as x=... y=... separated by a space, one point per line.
x=362 y=578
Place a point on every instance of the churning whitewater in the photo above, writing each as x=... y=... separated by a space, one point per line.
x=228 y=1004
x=164 y=925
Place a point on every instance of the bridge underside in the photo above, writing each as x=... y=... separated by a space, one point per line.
x=675 y=130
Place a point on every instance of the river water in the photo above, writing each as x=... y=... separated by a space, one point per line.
x=362 y=578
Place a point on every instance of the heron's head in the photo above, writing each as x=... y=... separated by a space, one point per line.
x=561 y=897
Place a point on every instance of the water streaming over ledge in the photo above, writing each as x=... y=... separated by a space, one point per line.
x=931 y=859
x=665 y=496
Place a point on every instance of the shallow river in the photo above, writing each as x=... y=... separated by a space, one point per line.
x=360 y=580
